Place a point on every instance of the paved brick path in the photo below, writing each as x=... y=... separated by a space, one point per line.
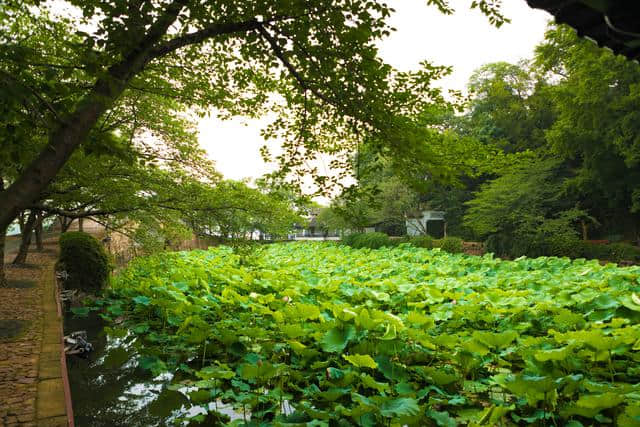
x=31 y=386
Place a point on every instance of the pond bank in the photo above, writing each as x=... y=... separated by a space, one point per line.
x=32 y=373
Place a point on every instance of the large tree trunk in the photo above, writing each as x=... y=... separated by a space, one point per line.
x=27 y=231
x=62 y=142
x=73 y=128
x=38 y=230
x=80 y=224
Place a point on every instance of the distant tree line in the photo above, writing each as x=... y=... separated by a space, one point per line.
x=548 y=155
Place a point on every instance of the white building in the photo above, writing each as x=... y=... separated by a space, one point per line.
x=13 y=230
x=417 y=224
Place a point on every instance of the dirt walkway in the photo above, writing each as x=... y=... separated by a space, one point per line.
x=31 y=384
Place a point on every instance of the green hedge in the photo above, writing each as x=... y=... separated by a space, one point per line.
x=453 y=245
x=85 y=261
x=614 y=252
x=561 y=246
x=367 y=240
x=422 y=242
x=498 y=244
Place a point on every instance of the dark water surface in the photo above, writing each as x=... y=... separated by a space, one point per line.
x=108 y=388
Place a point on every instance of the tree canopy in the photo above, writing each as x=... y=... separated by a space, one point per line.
x=315 y=66
x=543 y=152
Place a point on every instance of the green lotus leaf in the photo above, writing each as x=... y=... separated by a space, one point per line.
x=369 y=381
x=336 y=339
x=142 y=300
x=420 y=319
x=600 y=401
x=554 y=354
x=495 y=339
x=361 y=361
x=389 y=333
x=442 y=419
x=400 y=407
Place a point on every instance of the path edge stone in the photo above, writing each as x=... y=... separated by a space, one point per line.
x=53 y=398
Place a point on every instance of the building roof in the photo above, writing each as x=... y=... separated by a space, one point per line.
x=611 y=23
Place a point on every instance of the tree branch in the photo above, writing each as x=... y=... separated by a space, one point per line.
x=85 y=214
x=277 y=50
x=201 y=35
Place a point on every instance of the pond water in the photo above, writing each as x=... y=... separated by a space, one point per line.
x=109 y=389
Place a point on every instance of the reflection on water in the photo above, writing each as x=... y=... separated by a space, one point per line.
x=109 y=389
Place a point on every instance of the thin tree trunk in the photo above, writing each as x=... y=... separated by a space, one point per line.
x=65 y=224
x=3 y=237
x=21 y=257
x=80 y=224
x=584 y=230
x=21 y=221
x=38 y=229
x=3 y=278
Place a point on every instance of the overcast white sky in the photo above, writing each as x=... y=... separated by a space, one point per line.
x=464 y=40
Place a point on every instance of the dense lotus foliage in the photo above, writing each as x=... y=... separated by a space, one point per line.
x=322 y=334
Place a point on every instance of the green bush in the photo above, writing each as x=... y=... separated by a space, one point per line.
x=422 y=242
x=498 y=244
x=594 y=250
x=624 y=252
x=453 y=245
x=85 y=261
x=367 y=240
x=614 y=252
x=400 y=240
x=509 y=246
x=350 y=239
x=562 y=246
x=532 y=246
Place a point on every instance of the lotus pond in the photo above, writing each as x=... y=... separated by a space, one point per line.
x=322 y=334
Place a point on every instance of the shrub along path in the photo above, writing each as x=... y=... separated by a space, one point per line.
x=31 y=384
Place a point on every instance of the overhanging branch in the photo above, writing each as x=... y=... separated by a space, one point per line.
x=82 y=214
x=201 y=35
x=304 y=84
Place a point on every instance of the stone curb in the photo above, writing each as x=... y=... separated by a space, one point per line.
x=53 y=401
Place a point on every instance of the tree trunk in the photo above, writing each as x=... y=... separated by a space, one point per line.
x=27 y=231
x=3 y=236
x=80 y=224
x=21 y=221
x=584 y=230
x=73 y=128
x=65 y=224
x=38 y=229
x=3 y=279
